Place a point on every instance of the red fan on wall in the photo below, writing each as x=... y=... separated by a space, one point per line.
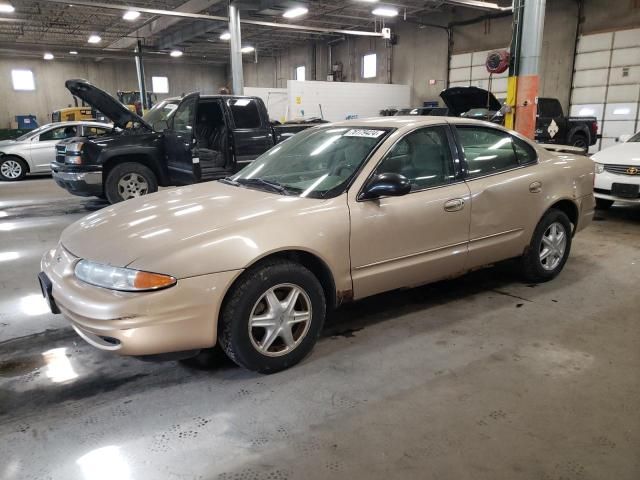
x=497 y=61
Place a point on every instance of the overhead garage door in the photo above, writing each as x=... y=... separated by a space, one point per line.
x=468 y=69
x=606 y=83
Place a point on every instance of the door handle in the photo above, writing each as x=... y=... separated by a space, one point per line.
x=454 y=205
x=535 y=187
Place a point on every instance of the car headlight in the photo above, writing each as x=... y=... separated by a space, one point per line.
x=122 y=279
x=73 y=153
x=599 y=167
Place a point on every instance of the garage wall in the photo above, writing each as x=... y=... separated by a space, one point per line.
x=50 y=76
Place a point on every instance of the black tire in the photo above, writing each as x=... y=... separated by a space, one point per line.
x=533 y=269
x=137 y=174
x=15 y=163
x=234 y=335
x=206 y=359
x=603 y=204
x=579 y=140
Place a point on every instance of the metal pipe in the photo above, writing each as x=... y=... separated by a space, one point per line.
x=141 y=81
x=235 y=45
x=532 y=30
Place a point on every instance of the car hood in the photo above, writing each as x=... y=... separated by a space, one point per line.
x=146 y=232
x=105 y=103
x=462 y=99
x=622 y=154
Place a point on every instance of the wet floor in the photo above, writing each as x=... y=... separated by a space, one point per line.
x=483 y=377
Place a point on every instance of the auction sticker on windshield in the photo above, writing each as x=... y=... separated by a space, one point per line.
x=364 y=133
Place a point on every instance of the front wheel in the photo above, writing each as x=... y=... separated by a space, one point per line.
x=129 y=180
x=549 y=248
x=12 y=169
x=272 y=317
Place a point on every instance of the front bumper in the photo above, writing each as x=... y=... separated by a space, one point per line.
x=604 y=182
x=82 y=183
x=183 y=317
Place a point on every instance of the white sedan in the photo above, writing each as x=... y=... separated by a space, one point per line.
x=34 y=151
x=618 y=173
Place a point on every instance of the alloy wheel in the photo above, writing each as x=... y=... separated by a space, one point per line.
x=11 y=169
x=132 y=185
x=553 y=246
x=280 y=320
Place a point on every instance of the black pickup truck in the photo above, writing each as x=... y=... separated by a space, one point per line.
x=552 y=126
x=181 y=141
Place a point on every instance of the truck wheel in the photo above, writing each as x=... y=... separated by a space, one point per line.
x=129 y=180
x=12 y=168
x=579 y=140
x=272 y=316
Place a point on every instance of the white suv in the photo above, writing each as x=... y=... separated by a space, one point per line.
x=618 y=173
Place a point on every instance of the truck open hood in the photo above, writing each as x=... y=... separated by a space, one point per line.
x=105 y=103
x=462 y=99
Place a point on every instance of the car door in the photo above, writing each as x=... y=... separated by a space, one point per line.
x=250 y=129
x=42 y=150
x=179 y=141
x=507 y=192
x=551 y=125
x=419 y=237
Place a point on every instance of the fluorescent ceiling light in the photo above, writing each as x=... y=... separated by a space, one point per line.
x=247 y=49
x=48 y=56
x=6 y=8
x=176 y=53
x=295 y=12
x=73 y=52
x=94 y=39
x=385 y=12
x=131 y=15
x=225 y=36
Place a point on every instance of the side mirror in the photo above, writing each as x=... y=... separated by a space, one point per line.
x=386 y=185
x=161 y=126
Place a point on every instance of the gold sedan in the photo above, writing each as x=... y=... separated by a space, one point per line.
x=336 y=213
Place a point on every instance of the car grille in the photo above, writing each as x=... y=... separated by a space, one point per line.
x=61 y=151
x=630 y=170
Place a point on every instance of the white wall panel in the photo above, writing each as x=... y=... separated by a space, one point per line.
x=593 y=60
x=588 y=110
x=625 y=56
x=606 y=143
x=591 y=78
x=623 y=93
x=627 y=38
x=625 y=76
x=340 y=100
x=621 y=111
x=615 y=129
x=460 y=74
x=588 y=95
x=465 y=83
x=276 y=100
x=461 y=60
x=593 y=43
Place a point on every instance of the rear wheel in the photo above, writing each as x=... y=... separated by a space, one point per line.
x=129 y=180
x=579 y=140
x=12 y=168
x=603 y=204
x=549 y=248
x=272 y=317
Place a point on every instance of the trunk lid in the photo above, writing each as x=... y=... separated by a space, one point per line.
x=105 y=103
x=462 y=99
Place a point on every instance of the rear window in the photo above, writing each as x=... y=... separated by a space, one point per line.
x=245 y=112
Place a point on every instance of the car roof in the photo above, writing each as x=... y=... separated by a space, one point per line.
x=410 y=121
x=78 y=122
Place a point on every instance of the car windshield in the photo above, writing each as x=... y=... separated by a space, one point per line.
x=315 y=163
x=161 y=111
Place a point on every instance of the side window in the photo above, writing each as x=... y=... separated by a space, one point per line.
x=58 y=133
x=95 y=132
x=183 y=118
x=245 y=112
x=423 y=156
x=487 y=150
x=549 y=107
x=526 y=153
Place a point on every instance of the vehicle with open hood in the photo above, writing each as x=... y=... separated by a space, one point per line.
x=179 y=141
x=552 y=126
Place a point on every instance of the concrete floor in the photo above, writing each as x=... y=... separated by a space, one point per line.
x=478 y=378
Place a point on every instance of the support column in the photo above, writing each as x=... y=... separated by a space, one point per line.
x=141 y=82
x=237 y=76
x=529 y=28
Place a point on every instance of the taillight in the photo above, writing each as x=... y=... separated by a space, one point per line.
x=594 y=128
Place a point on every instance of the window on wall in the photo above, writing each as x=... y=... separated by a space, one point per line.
x=160 y=84
x=301 y=73
x=23 y=80
x=369 y=65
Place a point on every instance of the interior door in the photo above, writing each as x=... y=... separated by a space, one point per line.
x=419 y=237
x=43 y=148
x=179 y=142
x=251 y=132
